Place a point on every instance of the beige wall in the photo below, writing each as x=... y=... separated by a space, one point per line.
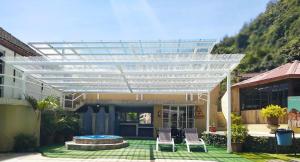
x=15 y=119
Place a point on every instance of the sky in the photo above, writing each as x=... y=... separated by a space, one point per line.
x=94 y=20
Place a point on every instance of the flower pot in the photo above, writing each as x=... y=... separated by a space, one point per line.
x=237 y=147
x=212 y=129
x=273 y=128
x=272 y=120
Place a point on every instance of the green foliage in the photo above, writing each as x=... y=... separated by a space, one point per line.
x=49 y=102
x=267 y=144
x=273 y=111
x=236 y=119
x=214 y=139
x=58 y=124
x=238 y=131
x=269 y=40
x=32 y=101
x=24 y=143
x=252 y=144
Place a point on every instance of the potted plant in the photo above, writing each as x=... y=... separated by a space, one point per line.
x=238 y=133
x=212 y=128
x=273 y=113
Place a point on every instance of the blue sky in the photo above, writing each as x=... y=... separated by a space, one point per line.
x=92 y=20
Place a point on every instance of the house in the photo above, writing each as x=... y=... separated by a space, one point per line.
x=16 y=116
x=271 y=87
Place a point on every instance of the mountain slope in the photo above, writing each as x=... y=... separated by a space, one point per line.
x=271 y=39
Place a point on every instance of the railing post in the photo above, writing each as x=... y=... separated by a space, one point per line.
x=208 y=112
x=24 y=76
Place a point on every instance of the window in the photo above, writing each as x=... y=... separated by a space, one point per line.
x=2 y=53
x=182 y=116
x=14 y=74
x=128 y=116
x=259 y=97
x=145 y=118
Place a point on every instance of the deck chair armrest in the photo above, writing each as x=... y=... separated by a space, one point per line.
x=201 y=140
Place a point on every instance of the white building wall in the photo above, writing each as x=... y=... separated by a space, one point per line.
x=13 y=89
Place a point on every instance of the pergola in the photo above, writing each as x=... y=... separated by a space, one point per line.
x=138 y=67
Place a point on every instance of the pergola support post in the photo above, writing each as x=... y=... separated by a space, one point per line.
x=208 y=112
x=229 y=113
x=24 y=76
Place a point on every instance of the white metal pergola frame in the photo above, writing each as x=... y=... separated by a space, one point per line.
x=138 y=67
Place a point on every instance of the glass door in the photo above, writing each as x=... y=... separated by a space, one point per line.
x=174 y=116
x=182 y=116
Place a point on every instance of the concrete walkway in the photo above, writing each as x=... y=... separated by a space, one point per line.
x=37 y=157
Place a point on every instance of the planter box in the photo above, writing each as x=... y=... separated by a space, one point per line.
x=237 y=147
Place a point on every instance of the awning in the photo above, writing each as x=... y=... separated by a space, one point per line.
x=141 y=67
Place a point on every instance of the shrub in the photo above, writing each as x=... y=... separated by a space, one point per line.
x=253 y=144
x=273 y=111
x=238 y=133
x=236 y=119
x=24 y=143
x=214 y=139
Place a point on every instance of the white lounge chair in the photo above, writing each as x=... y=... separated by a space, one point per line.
x=164 y=138
x=191 y=138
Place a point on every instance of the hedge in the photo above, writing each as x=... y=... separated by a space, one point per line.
x=253 y=144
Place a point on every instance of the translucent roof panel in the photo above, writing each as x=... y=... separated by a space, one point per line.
x=182 y=66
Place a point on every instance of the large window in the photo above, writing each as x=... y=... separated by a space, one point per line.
x=259 y=97
x=128 y=116
x=181 y=116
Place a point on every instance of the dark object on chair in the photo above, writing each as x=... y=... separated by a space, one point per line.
x=285 y=137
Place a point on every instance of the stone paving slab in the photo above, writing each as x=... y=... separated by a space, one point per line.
x=37 y=157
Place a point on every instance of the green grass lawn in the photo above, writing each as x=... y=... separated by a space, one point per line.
x=145 y=150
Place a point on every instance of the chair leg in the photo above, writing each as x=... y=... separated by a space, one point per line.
x=188 y=147
x=173 y=147
x=157 y=148
x=205 y=149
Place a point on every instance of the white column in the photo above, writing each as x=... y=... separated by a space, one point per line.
x=208 y=111
x=24 y=85
x=229 y=113
x=62 y=100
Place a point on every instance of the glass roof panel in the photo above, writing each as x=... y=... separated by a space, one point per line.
x=175 y=66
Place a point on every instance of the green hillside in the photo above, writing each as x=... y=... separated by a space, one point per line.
x=271 y=39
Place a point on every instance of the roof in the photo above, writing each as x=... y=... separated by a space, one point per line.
x=289 y=70
x=140 y=67
x=9 y=41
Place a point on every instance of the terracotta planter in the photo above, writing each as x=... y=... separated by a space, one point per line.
x=272 y=120
x=237 y=147
x=212 y=129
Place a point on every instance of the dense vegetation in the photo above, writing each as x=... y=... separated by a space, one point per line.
x=272 y=39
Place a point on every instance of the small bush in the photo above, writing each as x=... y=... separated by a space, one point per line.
x=24 y=143
x=273 y=111
x=214 y=139
x=253 y=144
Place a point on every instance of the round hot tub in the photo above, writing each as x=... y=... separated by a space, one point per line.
x=96 y=142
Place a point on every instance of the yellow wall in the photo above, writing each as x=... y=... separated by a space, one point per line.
x=200 y=123
x=15 y=119
x=158 y=100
